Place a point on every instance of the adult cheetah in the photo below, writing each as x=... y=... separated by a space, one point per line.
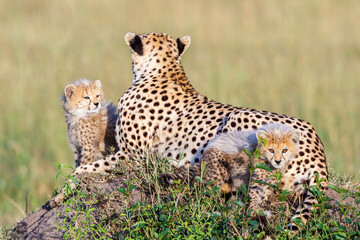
x=162 y=110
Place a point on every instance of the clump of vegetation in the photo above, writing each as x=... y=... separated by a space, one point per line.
x=142 y=208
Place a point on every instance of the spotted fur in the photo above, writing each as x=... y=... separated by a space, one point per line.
x=163 y=111
x=90 y=121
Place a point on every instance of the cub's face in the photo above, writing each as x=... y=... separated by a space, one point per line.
x=280 y=148
x=84 y=97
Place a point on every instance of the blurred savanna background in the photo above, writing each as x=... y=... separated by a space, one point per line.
x=300 y=58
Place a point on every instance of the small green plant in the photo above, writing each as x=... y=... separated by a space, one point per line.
x=79 y=220
x=4 y=233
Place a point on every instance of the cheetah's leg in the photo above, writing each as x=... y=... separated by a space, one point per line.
x=99 y=166
x=307 y=203
x=85 y=157
x=259 y=193
x=239 y=172
x=216 y=167
x=255 y=193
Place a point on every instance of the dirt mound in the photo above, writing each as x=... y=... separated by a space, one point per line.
x=43 y=224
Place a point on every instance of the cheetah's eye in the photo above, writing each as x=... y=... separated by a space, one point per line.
x=271 y=150
x=284 y=150
x=97 y=96
x=87 y=97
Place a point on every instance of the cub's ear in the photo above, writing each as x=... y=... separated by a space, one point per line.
x=97 y=83
x=261 y=134
x=134 y=42
x=69 y=91
x=295 y=136
x=182 y=44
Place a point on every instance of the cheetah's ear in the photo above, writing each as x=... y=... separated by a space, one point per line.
x=183 y=43
x=69 y=91
x=295 y=135
x=261 y=134
x=134 y=42
x=97 y=83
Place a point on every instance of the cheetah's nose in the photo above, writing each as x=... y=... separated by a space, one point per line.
x=278 y=161
x=96 y=104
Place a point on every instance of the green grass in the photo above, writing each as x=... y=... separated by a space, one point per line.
x=299 y=58
x=193 y=211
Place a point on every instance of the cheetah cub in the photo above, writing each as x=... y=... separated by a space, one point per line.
x=282 y=143
x=90 y=121
x=228 y=164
